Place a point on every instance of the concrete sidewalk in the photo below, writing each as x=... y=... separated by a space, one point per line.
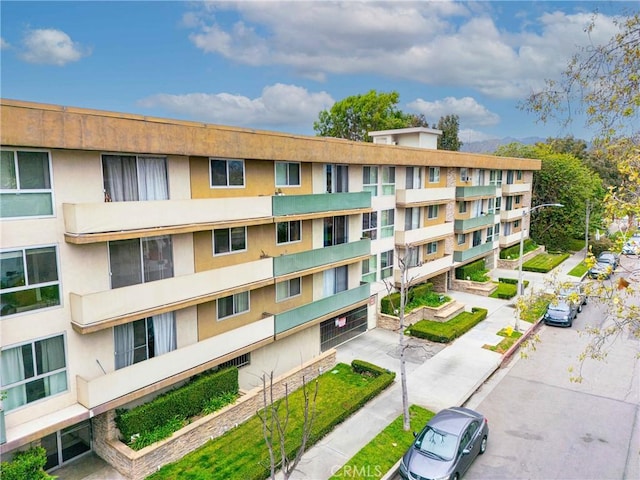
x=448 y=378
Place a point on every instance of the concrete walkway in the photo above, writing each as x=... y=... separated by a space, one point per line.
x=437 y=377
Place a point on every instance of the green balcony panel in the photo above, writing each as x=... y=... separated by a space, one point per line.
x=477 y=191
x=473 y=223
x=297 y=262
x=324 y=306
x=472 y=252
x=322 y=202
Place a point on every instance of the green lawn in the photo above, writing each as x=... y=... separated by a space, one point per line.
x=545 y=262
x=510 y=337
x=380 y=454
x=579 y=270
x=241 y=453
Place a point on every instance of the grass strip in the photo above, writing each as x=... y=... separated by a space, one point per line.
x=510 y=338
x=377 y=457
x=241 y=453
x=545 y=262
x=579 y=270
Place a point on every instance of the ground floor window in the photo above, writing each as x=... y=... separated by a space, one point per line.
x=67 y=444
x=344 y=327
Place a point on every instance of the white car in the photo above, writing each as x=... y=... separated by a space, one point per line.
x=632 y=246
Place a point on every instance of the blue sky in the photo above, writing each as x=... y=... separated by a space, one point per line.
x=275 y=65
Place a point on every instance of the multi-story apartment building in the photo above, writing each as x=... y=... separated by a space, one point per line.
x=137 y=252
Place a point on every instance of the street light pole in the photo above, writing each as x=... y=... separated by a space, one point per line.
x=526 y=212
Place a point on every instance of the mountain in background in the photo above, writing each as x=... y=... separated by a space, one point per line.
x=490 y=146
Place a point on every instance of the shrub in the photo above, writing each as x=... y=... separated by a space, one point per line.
x=360 y=366
x=599 y=246
x=416 y=297
x=468 y=270
x=445 y=332
x=513 y=251
x=182 y=403
x=28 y=464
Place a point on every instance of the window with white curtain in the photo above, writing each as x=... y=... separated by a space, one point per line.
x=287 y=289
x=412 y=218
x=414 y=178
x=287 y=174
x=140 y=260
x=28 y=279
x=233 y=305
x=25 y=184
x=337 y=178
x=144 y=339
x=33 y=371
x=335 y=280
x=132 y=178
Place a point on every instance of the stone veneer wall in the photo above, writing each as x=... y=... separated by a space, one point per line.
x=136 y=465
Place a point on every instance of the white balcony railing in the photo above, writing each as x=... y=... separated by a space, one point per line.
x=425 y=195
x=423 y=235
x=427 y=269
x=510 y=189
x=509 y=215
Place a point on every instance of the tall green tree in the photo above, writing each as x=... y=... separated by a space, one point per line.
x=353 y=117
x=450 y=126
x=563 y=178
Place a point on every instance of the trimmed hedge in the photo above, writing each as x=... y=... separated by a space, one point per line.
x=184 y=402
x=513 y=251
x=360 y=366
x=468 y=270
x=28 y=464
x=445 y=332
x=391 y=302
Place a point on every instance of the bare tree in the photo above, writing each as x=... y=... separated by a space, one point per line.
x=275 y=416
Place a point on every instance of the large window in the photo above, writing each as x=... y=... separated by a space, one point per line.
x=287 y=174
x=462 y=207
x=370 y=225
x=414 y=178
x=29 y=279
x=495 y=177
x=370 y=180
x=233 y=305
x=337 y=178
x=388 y=180
x=369 y=269
x=432 y=211
x=229 y=240
x=434 y=174
x=287 y=289
x=335 y=280
x=336 y=230
x=144 y=339
x=288 y=232
x=25 y=184
x=386 y=264
x=33 y=371
x=412 y=218
x=226 y=173
x=139 y=260
x=130 y=178
x=387 y=219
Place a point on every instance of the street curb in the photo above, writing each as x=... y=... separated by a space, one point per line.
x=506 y=358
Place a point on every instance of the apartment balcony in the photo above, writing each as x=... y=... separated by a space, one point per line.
x=477 y=191
x=320 y=257
x=470 y=224
x=510 y=215
x=322 y=309
x=426 y=270
x=97 y=311
x=424 y=196
x=164 y=370
x=508 y=240
x=423 y=235
x=513 y=188
x=100 y=222
x=464 y=255
x=321 y=205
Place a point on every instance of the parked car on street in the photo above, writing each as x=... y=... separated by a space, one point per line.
x=561 y=314
x=446 y=446
x=600 y=270
x=632 y=246
x=610 y=258
x=574 y=293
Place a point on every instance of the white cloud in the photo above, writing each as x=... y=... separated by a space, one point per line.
x=467 y=135
x=435 y=43
x=4 y=44
x=278 y=105
x=471 y=113
x=50 y=47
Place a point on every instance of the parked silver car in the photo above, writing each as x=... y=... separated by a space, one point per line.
x=446 y=446
x=573 y=292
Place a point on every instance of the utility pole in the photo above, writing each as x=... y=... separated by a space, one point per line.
x=586 y=232
x=406 y=425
